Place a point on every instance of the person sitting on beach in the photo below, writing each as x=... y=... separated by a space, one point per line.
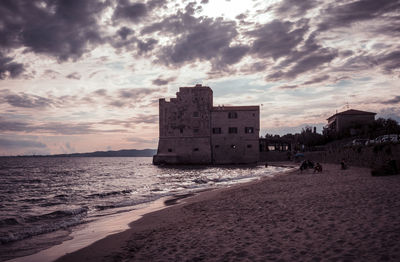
x=310 y=164
x=303 y=166
x=318 y=168
x=343 y=164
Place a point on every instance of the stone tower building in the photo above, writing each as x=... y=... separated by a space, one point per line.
x=192 y=131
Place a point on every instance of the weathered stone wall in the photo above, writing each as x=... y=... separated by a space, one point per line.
x=187 y=115
x=365 y=156
x=185 y=123
x=184 y=150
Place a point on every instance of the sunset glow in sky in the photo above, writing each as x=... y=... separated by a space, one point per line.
x=81 y=76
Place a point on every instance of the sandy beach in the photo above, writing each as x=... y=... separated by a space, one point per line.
x=336 y=215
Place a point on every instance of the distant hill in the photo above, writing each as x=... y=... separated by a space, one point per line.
x=119 y=153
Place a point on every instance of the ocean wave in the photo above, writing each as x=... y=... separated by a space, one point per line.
x=57 y=214
x=24 y=181
x=112 y=193
x=128 y=203
x=49 y=204
x=61 y=196
x=27 y=232
x=201 y=180
x=32 y=200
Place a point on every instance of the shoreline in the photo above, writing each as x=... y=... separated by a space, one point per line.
x=334 y=215
x=86 y=234
x=170 y=202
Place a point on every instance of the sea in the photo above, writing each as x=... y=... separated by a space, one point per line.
x=44 y=199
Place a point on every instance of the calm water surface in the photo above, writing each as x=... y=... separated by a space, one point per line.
x=42 y=199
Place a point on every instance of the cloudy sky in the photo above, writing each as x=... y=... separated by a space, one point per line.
x=80 y=76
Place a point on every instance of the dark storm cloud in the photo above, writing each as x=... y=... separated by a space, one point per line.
x=156 y=4
x=12 y=126
x=146 y=45
x=127 y=40
x=390 y=61
x=163 y=81
x=124 y=31
x=8 y=67
x=231 y=55
x=134 y=12
x=358 y=63
x=135 y=93
x=120 y=98
x=26 y=100
x=254 y=67
x=387 y=62
x=126 y=97
x=52 y=127
x=343 y=15
x=295 y=7
x=311 y=62
x=206 y=40
x=316 y=80
x=74 y=75
x=197 y=39
x=276 y=39
x=6 y=143
x=285 y=40
x=394 y=100
x=59 y=28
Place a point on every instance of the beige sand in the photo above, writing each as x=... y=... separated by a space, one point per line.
x=333 y=216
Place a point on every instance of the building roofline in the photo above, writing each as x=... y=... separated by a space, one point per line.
x=235 y=108
x=352 y=112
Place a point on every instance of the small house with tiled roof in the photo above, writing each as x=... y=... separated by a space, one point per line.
x=343 y=121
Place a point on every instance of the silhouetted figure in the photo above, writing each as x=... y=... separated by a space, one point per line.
x=318 y=168
x=303 y=166
x=289 y=156
x=343 y=164
x=310 y=164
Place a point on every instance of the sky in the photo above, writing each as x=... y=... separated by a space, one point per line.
x=82 y=76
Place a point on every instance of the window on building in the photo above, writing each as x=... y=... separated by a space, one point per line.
x=249 y=146
x=216 y=146
x=196 y=130
x=216 y=130
x=249 y=130
x=232 y=130
x=181 y=130
x=232 y=115
x=195 y=149
x=196 y=114
x=169 y=149
x=233 y=146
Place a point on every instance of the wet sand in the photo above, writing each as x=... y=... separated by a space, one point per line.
x=336 y=215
